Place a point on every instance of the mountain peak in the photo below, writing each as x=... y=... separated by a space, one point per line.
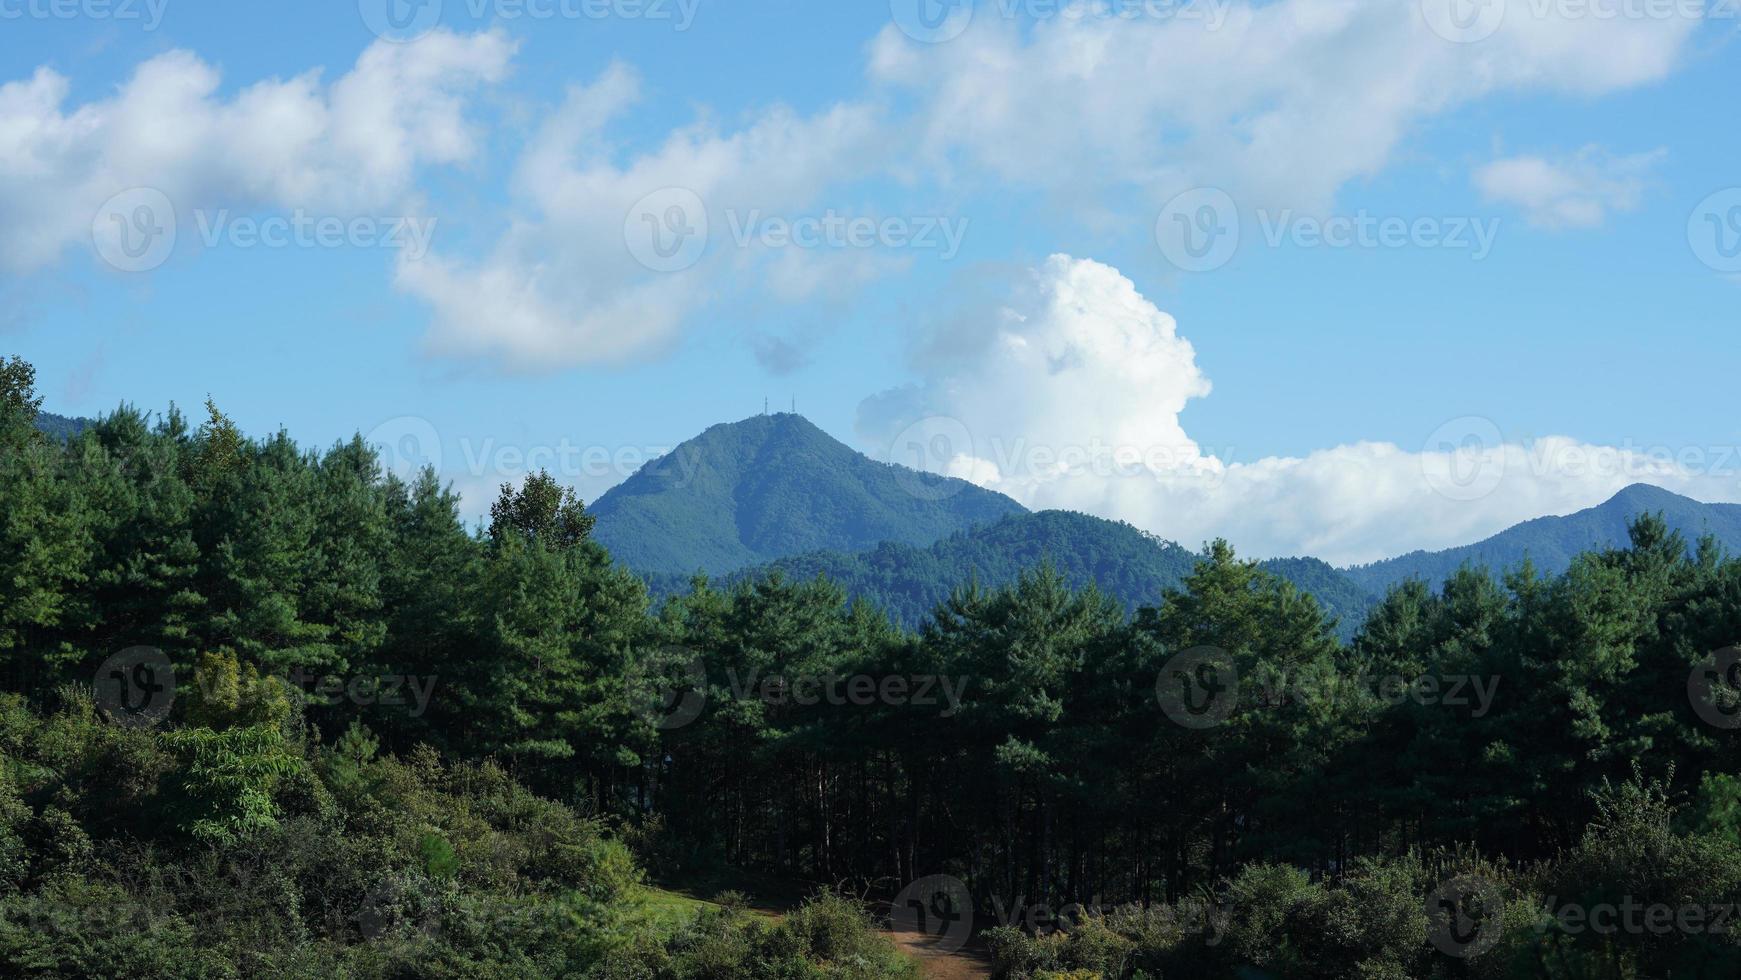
x=1551 y=543
x=1647 y=496
x=769 y=486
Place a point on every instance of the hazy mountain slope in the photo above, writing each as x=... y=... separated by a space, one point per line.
x=1552 y=542
x=772 y=486
x=1133 y=567
x=60 y=426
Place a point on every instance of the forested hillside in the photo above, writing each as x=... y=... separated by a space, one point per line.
x=289 y=711
x=771 y=486
x=1128 y=565
x=59 y=426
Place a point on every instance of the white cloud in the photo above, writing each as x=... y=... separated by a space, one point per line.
x=1281 y=104
x=1573 y=192
x=343 y=148
x=1070 y=398
x=563 y=286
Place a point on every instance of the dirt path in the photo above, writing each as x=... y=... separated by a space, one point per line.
x=772 y=898
x=935 y=964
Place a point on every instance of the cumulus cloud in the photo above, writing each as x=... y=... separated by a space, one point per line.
x=1070 y=397
x=1280 y=103
x=606 y=256
x=355 y=144
x=1579 y=191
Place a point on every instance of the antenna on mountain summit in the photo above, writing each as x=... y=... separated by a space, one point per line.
x=764 y=404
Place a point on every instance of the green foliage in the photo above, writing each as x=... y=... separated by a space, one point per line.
x=19 y=402
x=288 y=818
x=228 y=779
x=540 y=511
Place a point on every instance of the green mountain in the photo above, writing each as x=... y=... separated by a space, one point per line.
x=59 y=426
x=1131 y=565
x=1552 y=542
x=772 y=486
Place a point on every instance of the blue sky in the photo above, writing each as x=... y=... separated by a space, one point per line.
x=1295 y=397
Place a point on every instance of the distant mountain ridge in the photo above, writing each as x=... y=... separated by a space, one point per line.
x=60 y=426
x=1551 y=543
x=1130 y=565
x=776 y=493
x=772 y=486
